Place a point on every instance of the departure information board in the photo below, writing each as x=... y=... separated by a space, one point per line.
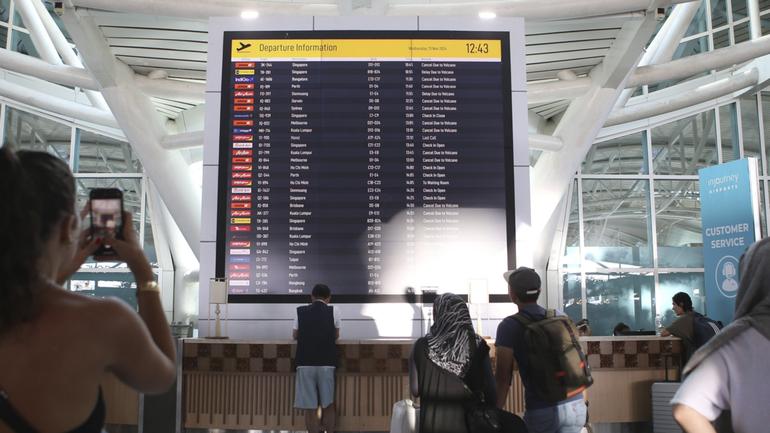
x=376 y=163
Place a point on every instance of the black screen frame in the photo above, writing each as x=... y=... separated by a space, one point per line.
x=224 y=160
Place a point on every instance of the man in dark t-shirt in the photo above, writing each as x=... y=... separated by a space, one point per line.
x=567 y=416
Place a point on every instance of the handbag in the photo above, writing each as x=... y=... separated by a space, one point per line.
x=405 y=418
x=482 y=418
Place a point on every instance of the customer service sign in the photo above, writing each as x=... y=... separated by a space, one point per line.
x=730 y=215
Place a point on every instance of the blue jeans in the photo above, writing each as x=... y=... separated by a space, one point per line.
x=565 y=418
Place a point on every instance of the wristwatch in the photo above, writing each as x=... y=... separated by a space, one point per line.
x=148 y=287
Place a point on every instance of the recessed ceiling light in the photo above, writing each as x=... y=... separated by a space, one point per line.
x=249 y=14
x=487 y=15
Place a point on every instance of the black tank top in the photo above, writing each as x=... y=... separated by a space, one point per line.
x=11 y=417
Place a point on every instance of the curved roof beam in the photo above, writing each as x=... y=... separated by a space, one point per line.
x=204 y=9
x=34 y=67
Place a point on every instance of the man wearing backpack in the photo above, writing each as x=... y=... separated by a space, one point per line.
x=542 y=342
x=692 y=327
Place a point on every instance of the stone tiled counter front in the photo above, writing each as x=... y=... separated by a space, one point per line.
x=250 y=385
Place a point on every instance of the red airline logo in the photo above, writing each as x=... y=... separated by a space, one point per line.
x=240 y=167
x=243 y=108
x=241 y=182
x=242 y=160
x=237 y=275
x=244 y=205
x=239 y=267
x=241 y=197
x=241 y=175
x=239 y=65
x=242 y=137
x=239 y=228
x=243 y=100
x=243 y=152
x=240 y=213
x=244 y=86
x=243 y=123
x=240 y=244
x=243 y=94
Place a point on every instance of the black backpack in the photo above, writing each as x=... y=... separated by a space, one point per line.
x=558 y=368
x=703 y=329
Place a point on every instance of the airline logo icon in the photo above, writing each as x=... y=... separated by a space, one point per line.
x=243 y=93
x=242 y=160
x=241 y=182
x=248 y=115
x=241 y=190
x=238 y=267
x=240 y=252
x=240 y=244
x=243 y=130
x=244 y=79
x=241 y=175
x=244 y=86
x=243 y=123
x=244 y=65
x=241 y=197
x=240 y=260
x=243 y=137
x=243 y=108
x=241 y=167
x=243 y=152
x=244 y=72
x=244 y=145
x=239 y=275
x=240 y=213
x=240 y=282
x=239 y=228
x=243 y=100
x=244 y=205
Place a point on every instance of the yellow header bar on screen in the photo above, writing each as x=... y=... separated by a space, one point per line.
x=366 y=49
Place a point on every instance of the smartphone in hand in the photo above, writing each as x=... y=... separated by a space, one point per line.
x=106 y=218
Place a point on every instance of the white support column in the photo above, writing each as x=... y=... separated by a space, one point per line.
x=34 y=67
x=65 y=50
x=755 y=22
x=580 y=124
x=37 y=32
x=664 y=44
x=141 y=124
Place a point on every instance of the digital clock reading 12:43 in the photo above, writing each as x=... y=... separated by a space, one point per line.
x=477 y=48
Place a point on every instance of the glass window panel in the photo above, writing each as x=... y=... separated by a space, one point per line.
x=678 y=223
x=672 y=283
x=571 y=258
x=149 y=238
x=718 y=13
x=5 y=9
x=741 y=32
x=684 y=146
x=57 y=19
x=573 y=296
x=698 y=23
x=722 y=39
x=619 y=297
x=750 y=128
x=765 y=21
x=616 y=221
x=739 y=9
x=105 y=285
x=692 y=47
x=534 y=155
x=22 y=43
x=623 y=155
x=766 y=125
x=30 y=132
x=728 y=131
x=101 y=154
x=131 y=188
x=3 y=37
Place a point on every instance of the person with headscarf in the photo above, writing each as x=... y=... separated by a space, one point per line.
x=450 y=369
x=728 y=373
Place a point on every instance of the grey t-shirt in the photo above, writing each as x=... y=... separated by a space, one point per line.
x=732 y=378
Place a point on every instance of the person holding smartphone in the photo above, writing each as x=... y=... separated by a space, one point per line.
x=56 y=347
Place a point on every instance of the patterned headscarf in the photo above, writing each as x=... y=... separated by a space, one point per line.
x=752 y=305
x=452 y=340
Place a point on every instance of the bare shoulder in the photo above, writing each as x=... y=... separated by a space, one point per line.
x=105 y=314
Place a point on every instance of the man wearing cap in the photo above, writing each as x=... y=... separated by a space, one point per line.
x=567 y=416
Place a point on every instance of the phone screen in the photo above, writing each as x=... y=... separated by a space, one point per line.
x=105 y=216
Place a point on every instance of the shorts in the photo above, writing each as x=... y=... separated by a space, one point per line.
x=313 y=387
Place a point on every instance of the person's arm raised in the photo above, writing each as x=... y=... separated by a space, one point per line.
x=145 y=356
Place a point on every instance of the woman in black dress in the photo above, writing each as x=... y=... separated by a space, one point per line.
x=450 y=371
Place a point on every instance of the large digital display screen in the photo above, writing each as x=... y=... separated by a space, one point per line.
x=378 y=163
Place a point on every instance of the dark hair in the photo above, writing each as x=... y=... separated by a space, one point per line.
x=620 y=329
x=683 y=300
x=321 y=291
x=37 y=190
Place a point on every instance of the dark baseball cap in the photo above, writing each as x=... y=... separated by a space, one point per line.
x=523 y=280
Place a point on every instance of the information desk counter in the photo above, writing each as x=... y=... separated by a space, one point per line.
x=238 y=384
